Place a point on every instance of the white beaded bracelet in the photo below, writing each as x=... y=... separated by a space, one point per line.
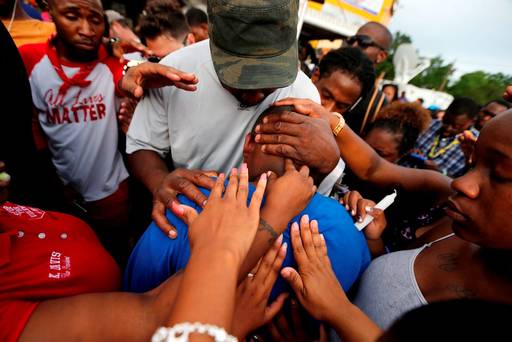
x=180 y=332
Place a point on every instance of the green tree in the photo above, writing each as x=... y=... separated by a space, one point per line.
x=435 y=76
x=480 y=86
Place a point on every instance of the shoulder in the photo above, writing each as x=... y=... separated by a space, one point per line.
x=330 y=214
x=32 y=54
x=302 y=87
x=435 y=124
x=189 y=57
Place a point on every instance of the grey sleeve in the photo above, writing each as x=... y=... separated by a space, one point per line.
x=149 y=128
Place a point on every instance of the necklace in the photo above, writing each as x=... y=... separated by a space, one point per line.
x=433 y=154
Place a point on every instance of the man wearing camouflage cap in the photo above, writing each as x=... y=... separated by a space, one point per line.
x=250 y=61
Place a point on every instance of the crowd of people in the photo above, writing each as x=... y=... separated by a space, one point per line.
x=186 y=175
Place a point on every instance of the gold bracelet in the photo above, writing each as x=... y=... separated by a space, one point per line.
x=340 y=125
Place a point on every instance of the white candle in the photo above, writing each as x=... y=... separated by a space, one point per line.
x=382 y=205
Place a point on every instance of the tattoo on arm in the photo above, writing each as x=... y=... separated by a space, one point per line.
x=265 y=227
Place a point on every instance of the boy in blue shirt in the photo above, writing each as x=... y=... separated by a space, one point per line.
x=156 y=257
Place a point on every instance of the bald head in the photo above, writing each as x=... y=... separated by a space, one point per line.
x=94 y=3
x=378 y=32
x=381 y=36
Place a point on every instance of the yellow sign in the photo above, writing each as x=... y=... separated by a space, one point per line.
x=346 y=16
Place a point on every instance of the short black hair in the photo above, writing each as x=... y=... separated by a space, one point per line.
x=271 y=110
x=351 y=61
x=463 y=106
x=161 y=18
x=501 y=102
x=196 y=17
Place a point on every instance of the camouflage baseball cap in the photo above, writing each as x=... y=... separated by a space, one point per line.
x=254 y=43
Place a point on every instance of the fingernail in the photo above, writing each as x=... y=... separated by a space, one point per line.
x=284 y=247
x=257 y=129
x=322 y=236
x=295 y=226
x=353 y=212
x=305 y=218
x=257 y=138
x=279 y=240
x=368 y=209
x=172 y=234
x=265 y=120
x=263 y=176
x=346 y=207
x=234 y=171
x=243 y=168
x=204 y=203
x=360 y=219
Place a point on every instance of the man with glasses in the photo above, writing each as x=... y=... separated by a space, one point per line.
x=374 y=39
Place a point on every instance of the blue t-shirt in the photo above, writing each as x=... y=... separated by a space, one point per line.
x=156 y=257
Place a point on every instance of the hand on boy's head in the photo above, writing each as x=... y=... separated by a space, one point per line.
x=290 y=193
x=306 y=107
x=179 y=181
x=307 y=140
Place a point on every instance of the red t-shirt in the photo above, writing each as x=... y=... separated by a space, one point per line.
x=45 y=255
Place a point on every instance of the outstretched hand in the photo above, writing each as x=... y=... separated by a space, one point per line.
x=315 y=283
x=251 y=309
x=153 y=75
x=226 y=222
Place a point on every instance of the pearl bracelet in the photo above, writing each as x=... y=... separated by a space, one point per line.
x=181 y=331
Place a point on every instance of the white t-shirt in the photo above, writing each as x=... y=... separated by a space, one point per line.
x=82 y=128
x=204 y=129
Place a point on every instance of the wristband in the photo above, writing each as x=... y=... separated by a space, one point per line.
x=341 y=123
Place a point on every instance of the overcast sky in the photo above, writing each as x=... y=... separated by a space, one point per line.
x=475 y=34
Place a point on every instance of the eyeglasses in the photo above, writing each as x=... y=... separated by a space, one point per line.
x=363 y=41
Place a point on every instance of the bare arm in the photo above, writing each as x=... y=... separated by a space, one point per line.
x=103 y=316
